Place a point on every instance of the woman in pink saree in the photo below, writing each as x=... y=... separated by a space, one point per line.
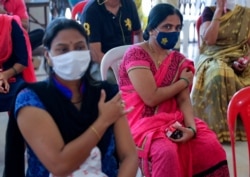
x=156 y=81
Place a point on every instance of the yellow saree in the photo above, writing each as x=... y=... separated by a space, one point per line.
x=216 y=81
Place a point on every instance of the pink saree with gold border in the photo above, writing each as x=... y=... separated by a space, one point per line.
x=148 y=124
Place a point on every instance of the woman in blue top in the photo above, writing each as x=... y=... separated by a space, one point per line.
x=63 y=118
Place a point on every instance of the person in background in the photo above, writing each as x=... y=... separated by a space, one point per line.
x=15 y=59
x=63 y=118
x=223 y=64
x=110 y=23
x=74 y=2
x=170 y=140
x=18 y=7
x=58 y=8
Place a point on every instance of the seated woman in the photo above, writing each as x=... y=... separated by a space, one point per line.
x=157 y=81
x=15 y=59
x=222 y=66
x=63 y=118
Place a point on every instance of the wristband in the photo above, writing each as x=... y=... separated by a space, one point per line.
x=193 y=130
x=186 y=80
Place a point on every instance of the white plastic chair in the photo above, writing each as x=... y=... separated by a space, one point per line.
x=40 y=70
x=112 y=59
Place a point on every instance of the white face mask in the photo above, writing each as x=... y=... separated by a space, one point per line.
x=71 y=65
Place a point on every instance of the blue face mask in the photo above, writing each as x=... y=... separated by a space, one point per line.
x=167 y=40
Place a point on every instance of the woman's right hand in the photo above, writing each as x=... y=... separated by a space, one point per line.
x=221 y=4
x=186 y=73
x=4 y=85
x=111 y=110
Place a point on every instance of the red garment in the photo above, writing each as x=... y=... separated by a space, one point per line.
x=148 y=124
x=16 y=7
x=6 y=41
x=6 y=45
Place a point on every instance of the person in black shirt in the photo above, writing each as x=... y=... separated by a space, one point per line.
x=110 y=23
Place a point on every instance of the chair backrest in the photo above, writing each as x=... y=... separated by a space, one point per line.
x=112 y=59
x=78 y=8
x=239 y=106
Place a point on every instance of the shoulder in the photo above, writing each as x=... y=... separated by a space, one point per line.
x=129 y=8
x=27 y=97
x=135 y=50
x=181 y=60
x=209 y=9
x=110 y=89
x=208 y=13
x=91 y=6
x=135 y=56
x=94 y=90
x=178 y=54
x=90 y=11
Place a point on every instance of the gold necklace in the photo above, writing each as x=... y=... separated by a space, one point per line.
x=158 y=61
x=101 y=3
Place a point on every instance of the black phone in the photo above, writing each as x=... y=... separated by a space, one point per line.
x=176 y=134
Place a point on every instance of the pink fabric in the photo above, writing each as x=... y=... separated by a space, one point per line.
x=16 y=7
x=6 y=41
x=148 y=124
x=6 y=45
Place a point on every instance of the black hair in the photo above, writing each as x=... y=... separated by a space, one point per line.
x=158 y=14
x=59 y=24
x=53 y=28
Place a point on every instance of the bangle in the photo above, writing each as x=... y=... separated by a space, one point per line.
x=216 y=19
x=186 y=80
x=193 y=130
x=96 y=132
x=14 y=69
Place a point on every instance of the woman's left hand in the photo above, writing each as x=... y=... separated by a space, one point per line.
x=187 y=134
x=4 y=85
x=240 y=64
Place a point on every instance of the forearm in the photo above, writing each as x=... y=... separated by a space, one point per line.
x=138 y=36
x=163 y=93
x=96 y=52
x=97 y=56
x=210 y=32
x=186 y=108
x=14 y=70
x=126 y=149
x=128 y=166
x=73 y=154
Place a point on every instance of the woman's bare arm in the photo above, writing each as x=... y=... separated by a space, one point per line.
x=145 y=85
x=126 y=149
x=209 y=30
x=43 y=136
